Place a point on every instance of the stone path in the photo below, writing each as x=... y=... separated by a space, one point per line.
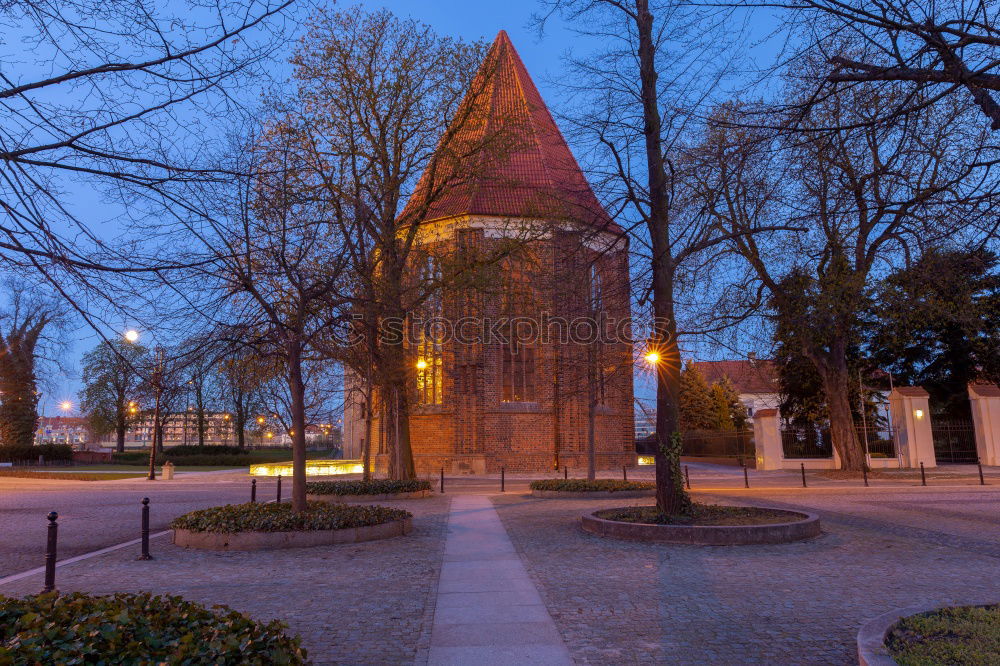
x=488 y=611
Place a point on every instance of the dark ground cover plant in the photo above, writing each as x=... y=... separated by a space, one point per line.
x=958 y=635
x=51 y=452
x=701 y=514
x=373 y=487
x=210 y=456
x=137 y=629
x=583 y=485
x=281 y=518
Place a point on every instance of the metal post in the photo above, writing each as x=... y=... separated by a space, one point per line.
x=803 y=466
x=565 y=473
x=979 y=464
x=50 y=553
x=624 y=473
x=253 y=491
x=687 y=477
x=145 y=530
x=864 y=472
x=442 y=480
x=746 y=477
x=502 y=479
x=279 y=489
x=923 y=476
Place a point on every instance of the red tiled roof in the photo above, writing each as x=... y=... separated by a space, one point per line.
x=533 y=175
x=747 y=376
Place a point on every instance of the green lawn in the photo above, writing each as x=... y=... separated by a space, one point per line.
x=66 y=476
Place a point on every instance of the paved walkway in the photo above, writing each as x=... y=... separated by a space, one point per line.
x=488 y=611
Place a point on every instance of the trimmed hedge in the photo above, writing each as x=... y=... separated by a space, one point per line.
x=31 y=453
x=373 y=487
x=280 y=517
x=137 y=629
x=584 y=486
x=208 y=456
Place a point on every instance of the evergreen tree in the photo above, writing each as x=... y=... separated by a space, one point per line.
x=936 y=324
x=697 y=407
x=731 y=414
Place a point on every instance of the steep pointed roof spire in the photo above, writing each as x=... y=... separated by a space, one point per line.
x=535 y=175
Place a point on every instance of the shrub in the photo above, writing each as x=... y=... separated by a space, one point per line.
x=137 y=628
x=583 y=485
x=281 y=518
x=373 y=487
x=194 y=450
x=31 y=453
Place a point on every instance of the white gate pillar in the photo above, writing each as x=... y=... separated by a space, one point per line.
x=911 y=421
x=767 y=439
x=985 y=401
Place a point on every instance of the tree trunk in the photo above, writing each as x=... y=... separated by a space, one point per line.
x=671 y=497
x=120 y=437
x=401 y=466
x=591 y=413
x=296 y=388
x=836 y=385
x=366 y=438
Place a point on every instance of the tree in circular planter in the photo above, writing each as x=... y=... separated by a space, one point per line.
x=137 y=628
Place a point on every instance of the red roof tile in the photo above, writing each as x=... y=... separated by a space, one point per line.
x=747 y=376
x=533 y=175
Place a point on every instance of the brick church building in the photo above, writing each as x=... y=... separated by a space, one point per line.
x=528 y=405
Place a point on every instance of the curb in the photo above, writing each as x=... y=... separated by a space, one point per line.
x=707 y=535
x=341 y=499
x=593 y=494
x=248 y=541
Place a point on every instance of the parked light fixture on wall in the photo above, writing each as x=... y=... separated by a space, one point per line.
x=919 y=413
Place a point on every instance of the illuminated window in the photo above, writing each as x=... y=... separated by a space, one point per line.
x=518 y=373
x=430 y=370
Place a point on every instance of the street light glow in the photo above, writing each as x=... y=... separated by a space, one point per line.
x=66 y=405
x=132 y=335
x=652 y=357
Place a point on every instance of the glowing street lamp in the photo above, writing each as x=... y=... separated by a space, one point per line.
x=66 y=405
x=132 y=335
x=652 y=357
x=260 y=420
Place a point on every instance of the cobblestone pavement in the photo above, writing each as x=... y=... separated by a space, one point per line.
x=619 y=602
x=367 y=603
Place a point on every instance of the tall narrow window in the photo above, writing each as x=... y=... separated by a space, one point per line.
x=518 y=373
x=429 y=342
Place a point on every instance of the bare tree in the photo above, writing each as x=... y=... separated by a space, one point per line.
x=862 y=195
x=111 y=388
x=938 y=49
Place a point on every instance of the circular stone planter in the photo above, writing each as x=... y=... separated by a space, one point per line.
x=296 y=539
x=800 y=526
x=343 y=499
x=593 y=494
x=871 y=637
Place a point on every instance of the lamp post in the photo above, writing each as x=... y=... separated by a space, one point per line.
x=132 y=336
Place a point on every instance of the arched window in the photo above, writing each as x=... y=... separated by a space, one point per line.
x=429 y=345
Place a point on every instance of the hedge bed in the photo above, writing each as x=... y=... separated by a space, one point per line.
x=956 y=635
x=598 y=488
x=274 y=526
x=137 y=629
x=366 y=491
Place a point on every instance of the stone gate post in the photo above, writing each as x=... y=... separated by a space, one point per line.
x=985 y=401
x=910 y=412
x=767 y=439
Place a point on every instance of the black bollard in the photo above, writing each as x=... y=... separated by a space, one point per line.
x=145 y=530
x=979 y=464
x=687 y=477
x=746 y=477
x=864 y=472
x=279 y=489
x=923 y=476
x=253 y=491
x=624 y=473
x=442 y=480
x=565 y=473
x=50 y=553
x=803 y=466
x=502 y=479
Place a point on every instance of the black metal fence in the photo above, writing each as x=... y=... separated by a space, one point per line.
x=707 y=444
x=879 y=441
x=954 y=440
x=806 y=442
